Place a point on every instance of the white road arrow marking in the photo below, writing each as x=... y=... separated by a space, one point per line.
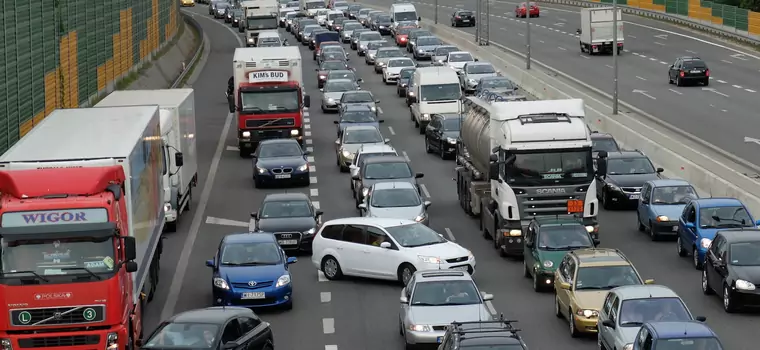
x=662 y=36
x=226 y=222
x=751 y=140
x=559 y=24
x=714 y=91
x=739 y=56
x=642 y=92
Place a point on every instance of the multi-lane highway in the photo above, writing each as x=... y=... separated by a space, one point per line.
x=722 y=113
x=361 y=314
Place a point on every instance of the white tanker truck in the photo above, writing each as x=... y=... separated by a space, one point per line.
x=520 y=159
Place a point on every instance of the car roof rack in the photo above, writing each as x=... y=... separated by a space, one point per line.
x=495 y=327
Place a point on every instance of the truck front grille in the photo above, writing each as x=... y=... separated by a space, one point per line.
x=57 y=315
x=266 y=123
x=64 y=341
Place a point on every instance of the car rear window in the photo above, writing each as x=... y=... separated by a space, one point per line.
x=694 y=64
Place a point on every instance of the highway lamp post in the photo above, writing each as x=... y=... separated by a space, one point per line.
x=436 y=12
x=615 y=57
x=527 y=34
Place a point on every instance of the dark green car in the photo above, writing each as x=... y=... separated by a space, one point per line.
x=547 y=240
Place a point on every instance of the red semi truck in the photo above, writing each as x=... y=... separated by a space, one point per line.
x=81 y=215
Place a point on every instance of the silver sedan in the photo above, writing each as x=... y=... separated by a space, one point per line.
x=333 y=91
x=395 y=200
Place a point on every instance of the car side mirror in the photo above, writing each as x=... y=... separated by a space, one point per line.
x=565 y=285
x=700 y=318
x=757 y=222
x=419 y=18
x=688 y=225
x=659 y=170
x=179 y=159
x=387 y=140
x=130 y=248
x=377 y=101
x=403 y=299
x=307 y=101
x=649 y=281
x=419 y=175
x=428 y=204
x=381 y=121
x=608 y=323
x=336 y=122
x=386 y=245
x=477 y=60
x=255 y=215
x=337 y=142
x=130 y=266
x=671 y=66
x=291 y=260
x=306 y=153
x=319 y=213
x=360 y=80
x=487 y=297
x=210 y=263
x=362 y=206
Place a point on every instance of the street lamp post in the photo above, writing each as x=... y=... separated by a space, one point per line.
x=615 y=56
x=436 y=11
x=527 y=34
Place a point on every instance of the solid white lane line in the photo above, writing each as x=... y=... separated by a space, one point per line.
x=425 y=190
x=314 y=192
x=321 y=276
x=450 y=234
x=325 y=297
x=328 y=325
x=678 y=92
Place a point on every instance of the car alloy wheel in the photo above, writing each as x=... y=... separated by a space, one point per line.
x=695 y=259
x=705 y=285
x=727 y=303
x=536 y=286
x=407 y=271
x=679 y=247
x=331 y=268
x=571 y=321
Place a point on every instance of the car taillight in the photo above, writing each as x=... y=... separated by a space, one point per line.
x=707 y=73
x=681 y=74
x=620 y=44
x=457 y=17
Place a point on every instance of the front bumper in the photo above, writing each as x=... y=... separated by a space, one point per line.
x=330 y=106
x=667 y=228
x=624 y=198
x=294 y=241
x=272 y=296
x=414 y=337
x=81 y=339
x=545 y=278
x=585 y=324
x=294 y=177
x=746 y=298
x=391 y=77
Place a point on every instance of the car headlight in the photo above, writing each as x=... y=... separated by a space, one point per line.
x=346 y=154
x=246 y=134
x=313 y=41
x=440 y=61
x=250 y=40
x=322 y=77
x=411 y=93
x=330 y=100
x=628 y=346
x=221 y=283
x=283 y=281
x=420 y=51
x=705 y=242
x=310 y=231
x=613 y=187
x=293 y=132
x=421 y=217
x=381 y=27
x=365 y=191
x=372 y=55
x=744 y=285
x=380 y=63
x=420 y=328
x=304 y=167
x=363 y=47
x=112 y=341
x=426 y=116
x=472 y=81
x=451 y=140
x=662 y=218
x=470 y=256
x=261 y=170
x=429 y=259
x=587 y=313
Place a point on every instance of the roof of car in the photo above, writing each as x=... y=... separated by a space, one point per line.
x=625 y=154
x=600 y=257
x=682 y=329
x=394 y=185
x=341 y=71
x=339 y=81
x=449 y=115
x=459 y=52
x=741 y=235
x=389 y=49
x=557 y=220
x=360 y=127
x=669 y=182
x=216 y=315
x=400 y=59
x=717 y=202
x=385 y=159
x=258 y=237
x=350 y=107
x=644 y=291
x=285 y=196
x=384 y=222
x=448 y=275
x=372 y=148
x=277 y=141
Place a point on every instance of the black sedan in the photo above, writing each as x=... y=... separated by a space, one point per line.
x=732 y=268
x=462 y=18
x=403 y=81
x=356 y=114
x=280 y=161
x=621 y=176
x=291 y=216
x=325 y=67
x=227 y=327
x=442 y=133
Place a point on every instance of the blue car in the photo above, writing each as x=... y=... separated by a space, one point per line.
x=251 y=270
x=661 y=203
x=357 y=114
x=702 y=218
x=685 y=335
x=280 y=161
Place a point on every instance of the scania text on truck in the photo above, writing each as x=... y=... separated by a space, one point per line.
x=177 y=113
x=268 y=97
x=81 y=216
x=522 y=159
x=260 y=15
x=596 y=32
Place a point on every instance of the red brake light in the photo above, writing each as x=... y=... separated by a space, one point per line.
x=681 y=74
x=707 y=73
x=620 y=44
x=457 y=17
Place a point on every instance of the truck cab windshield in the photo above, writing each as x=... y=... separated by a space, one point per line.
x=261 y=22
x=405 y=16
x=440 y=92
x=55 y=257
x=315 y=5
x=272 y=101
x=550 y=168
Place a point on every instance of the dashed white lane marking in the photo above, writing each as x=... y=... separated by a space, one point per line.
x=608 y=66
x=721 y=81
x=652 y=59
x=315 y=204
x=520 y=34
x=425 y=190
x=310 y=149
x=663 y=62
x=307 y=133
x=309 y=141
x=541 y=41
x=638 y=77
x=331 y=347
x=312 y=168
x=314 y=192
x=225 y=222
x=659 y=43
x=749 y=90
x=450 y=234
x=725 y=61
x=406 y=156
x=321 y=276
x=306 y=120
x=561 y=48
x=307 y=126
x=689 y=51
x=313 y=179
x=390 y=130
x=233 y=148
x=325 y=297
x=675 y=91
x=642 y=56
x=310 y=159
x=631 y=36
x=737 y=86
x=328 y=325
x=584 y=56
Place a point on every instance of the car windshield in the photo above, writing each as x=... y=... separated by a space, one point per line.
x=331 y=48
x=744 y=254
x=253 y=253
x=383 y=19
x=564 y=237
x=387 y=170
x=480 y=69
x=362 y=136
x=334 y=55
x=550 y=167
x=395 y=198
x=629 y=166
x=406 y=73
x=428 y=41
x=605 y=144
x=452 y=124
x=333 y=65
x=183 y=335
x=370 y=36
x=341 y=74
x=334 y=16
x=415 y=235
x=694 y=65
x=605 y=277
x=358 y=117
x=364 y=156
x=30 y=258
x=444 y=50
x=635 y=312
x=358 y=97
x=339 y=86
x=358 y=32
x=405 y=16
x=461 y=57
x=389 y=53
x=309 y=29
x=440 y=92
x=222 y=5
x=285 y=209
x=666 y=195
x=351 y=26
x=374 y=45
x=401 y=63
x=502 y=83
x=688 y=344
x=724 y=217
x=269 y=101
x=279 y=149
x=441 y=293
x=340 y=4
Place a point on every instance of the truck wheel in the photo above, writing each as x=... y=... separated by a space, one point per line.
x=171 y=226
x=244 y=153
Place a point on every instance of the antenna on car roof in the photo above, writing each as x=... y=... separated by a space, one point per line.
x=439 y=263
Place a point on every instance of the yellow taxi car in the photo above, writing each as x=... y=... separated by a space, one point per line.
x=582 y=280
x=188 y=3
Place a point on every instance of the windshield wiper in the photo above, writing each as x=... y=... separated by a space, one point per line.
x=425 y=304
x=574 y=247
x=29 y=272
x=252 y=263
x=83 y=269
x=631 y=323
x=423 y=244
x=252 y=108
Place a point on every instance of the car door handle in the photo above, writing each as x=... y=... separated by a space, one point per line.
x=340 y=248
x=366 y=251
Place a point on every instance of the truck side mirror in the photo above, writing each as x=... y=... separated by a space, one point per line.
x=493 y=171
x=601 y=167
x=307 y=101
x=130 y=266
x=255 y=215
x=130 y=249
x=179 y=159
x=231 y=103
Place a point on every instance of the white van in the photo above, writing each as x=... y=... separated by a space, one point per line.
x=269 y=38
x=437 y=91
x=403 y=12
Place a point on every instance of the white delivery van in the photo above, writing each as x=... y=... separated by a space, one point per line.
x=401 y=12
x=437 y=91
x=597 y=32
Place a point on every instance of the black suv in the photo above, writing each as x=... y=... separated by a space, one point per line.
x=689 y=70
x=602 y=142
x=621 y=176
x=495 y=334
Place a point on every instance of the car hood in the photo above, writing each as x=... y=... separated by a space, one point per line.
x=445 y=250
x=747 y=273
x=394 y=70
x=628 y=334
x=635 y=180
x=368 y=104
x=369 y=182
x=457 y=65
x=477 y=77
x=244 y=274
x=451 y=106
x=555 y=256
x=672 y=211
x=269 y=163
x=426 y=47
x=408 y=213
x=364 y=43
x=344 y=125
x=383 y=24
x=403 y=80
x=451 y=134
x=301 y=224
x=444 y=315
x=590 y=299
x=353 y=147
x=333 y=95
x=347 y=33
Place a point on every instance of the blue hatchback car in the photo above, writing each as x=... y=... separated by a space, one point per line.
x=251 y=270
x=702 y=218
x=661 y=203
x=676 y=335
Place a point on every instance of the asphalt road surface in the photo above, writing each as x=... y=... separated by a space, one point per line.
x=361 y=314
x=721 y=114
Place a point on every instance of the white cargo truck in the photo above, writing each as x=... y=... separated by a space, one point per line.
x=310 y=7
x=520 y=159
x=260 y=15
x=596 y=32
x=177 y=109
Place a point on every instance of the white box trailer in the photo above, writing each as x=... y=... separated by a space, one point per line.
x=177 y=112
x=596 y=32
x=260 y=15
x=264 y=60
x=107 y=136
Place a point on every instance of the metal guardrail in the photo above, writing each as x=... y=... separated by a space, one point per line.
x=710 y=28
x=191 y=21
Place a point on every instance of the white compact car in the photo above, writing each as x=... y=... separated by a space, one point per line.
x=392 y=70
x=381 y=248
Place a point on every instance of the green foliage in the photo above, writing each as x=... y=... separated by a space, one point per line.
x=752 y=5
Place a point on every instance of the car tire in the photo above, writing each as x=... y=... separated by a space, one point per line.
x=443 y=151
x=606 y=201
x=695 y=259
x=537 y=287
x=706 y=290
x=678 y=81
x=331 y=268
x=257 y=183
x=574 y=333
x=728 y=304
x=405 y=273
x=526 y=269
x=706 y=82
x=653 y=235
x=641 y=226
x=557 y=309
x=679 y=248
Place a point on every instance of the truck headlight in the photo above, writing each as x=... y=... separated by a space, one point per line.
x=250 y=40
x=261 y=170
x=5 y=344
x=426 y=116
x=293 y=132
x=303 y=167
x=246 y=134
x=112 y=341
x=221 y=283
x=283 y=281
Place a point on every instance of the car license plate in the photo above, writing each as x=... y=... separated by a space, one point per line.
x=465 y=20
x=282 y=176
x=461 y=268
x=696 y=71
x=288 y=242
x=633 y=196
x=255 y=295
x=675 y=228
x=439 y=340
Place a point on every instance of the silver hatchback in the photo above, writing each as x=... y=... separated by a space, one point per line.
x=395 y=200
